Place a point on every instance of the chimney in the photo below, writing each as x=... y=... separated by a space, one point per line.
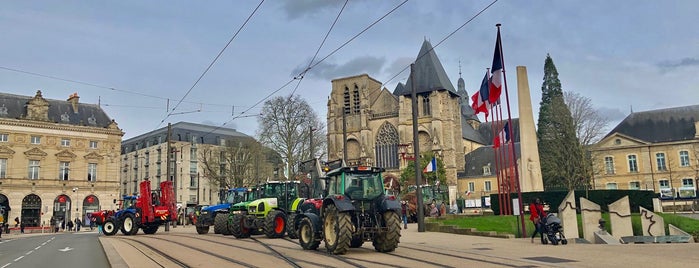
x=73 y=99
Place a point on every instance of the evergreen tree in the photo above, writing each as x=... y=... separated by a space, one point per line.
x=561 y=153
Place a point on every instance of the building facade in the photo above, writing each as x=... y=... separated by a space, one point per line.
x=652 y=150
x=201 y=155
x=57 y=158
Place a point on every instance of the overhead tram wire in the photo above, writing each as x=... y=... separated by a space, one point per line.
x=211 y=64
x=302 y=74
x=438 y=43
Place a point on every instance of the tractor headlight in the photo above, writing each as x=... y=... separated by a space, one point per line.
x=237 y=212
x=252 y=209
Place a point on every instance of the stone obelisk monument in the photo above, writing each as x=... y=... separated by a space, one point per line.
x=530 y=165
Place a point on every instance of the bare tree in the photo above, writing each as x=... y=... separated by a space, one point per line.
x=286 y=125
x=590 y=125
x=241 y=162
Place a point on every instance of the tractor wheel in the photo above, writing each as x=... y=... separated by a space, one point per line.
x=219 y=223
x=150 y=229
x=291 y=230
x=388 y=241
x=238 y=227
x=307 y=235
x=202 y=229
x=110 y=227
x=275 y=224
x=337 y=228
x=128 y=225
x=357 y=241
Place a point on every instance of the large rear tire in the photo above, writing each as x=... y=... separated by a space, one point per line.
x=291 y=230
x=220 y=223
x=337 y=228
x=128 y=224
x=150 y=229
x=110 y=227
x=238 y=227
x=275 y=224
x=388 y=241
x=307 y=235
x=202 y=230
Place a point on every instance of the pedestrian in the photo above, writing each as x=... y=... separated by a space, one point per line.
x=16 y=221
x=442 y=209
x=21 y=227
x=78 y=223
x=62 y=224
x=99 y=229
x=69 y=225
x=537 y=214
x=404 y=212
x=57 y=225
x=434 y=212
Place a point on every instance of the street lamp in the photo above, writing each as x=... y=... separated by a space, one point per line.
x=77 y=200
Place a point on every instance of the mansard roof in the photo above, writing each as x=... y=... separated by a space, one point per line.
x=486 y=130
x=185 y=131
x=59 y=111
x=662 y=125
x=483 y=156
x=429 y=75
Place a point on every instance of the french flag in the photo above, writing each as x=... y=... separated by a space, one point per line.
x=480 y=102
x=431 y=166
x=503 y=136
x=496 y=70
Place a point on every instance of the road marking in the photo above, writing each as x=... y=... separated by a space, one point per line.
x=19 y=258
x=30 y=252
x=37 y=247
x=6 y=265
x=65 y=249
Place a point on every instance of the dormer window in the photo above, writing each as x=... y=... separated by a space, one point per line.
x=617 y=141
x=486 y=170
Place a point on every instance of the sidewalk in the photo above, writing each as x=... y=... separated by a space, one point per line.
x=15 y=232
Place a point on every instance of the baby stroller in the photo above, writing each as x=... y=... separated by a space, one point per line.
x=553 y=230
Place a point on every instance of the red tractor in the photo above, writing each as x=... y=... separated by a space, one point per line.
x=151 y=209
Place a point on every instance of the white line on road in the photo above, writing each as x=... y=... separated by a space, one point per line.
x=37 y=247
x=6 y=265
x=30 y=252
x=19 y=258
x=43 y=244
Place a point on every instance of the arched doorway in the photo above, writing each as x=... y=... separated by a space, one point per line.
x=5 y=207
x=61 y=207
x=31 y=210
x=90 y=204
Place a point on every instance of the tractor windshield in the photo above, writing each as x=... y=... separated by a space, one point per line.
x=231 y=197
x=273 y=189
x=128 y=202
x=362 y=185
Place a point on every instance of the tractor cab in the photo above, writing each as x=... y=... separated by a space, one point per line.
x=128 y=202
x=356 y=183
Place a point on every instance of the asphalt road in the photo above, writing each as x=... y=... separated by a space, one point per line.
x=52 y=250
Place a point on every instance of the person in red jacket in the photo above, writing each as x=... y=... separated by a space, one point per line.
x=536 y=209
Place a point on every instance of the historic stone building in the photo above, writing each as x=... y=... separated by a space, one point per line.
x=144 y=157
x=57 y=158
x=652 y=150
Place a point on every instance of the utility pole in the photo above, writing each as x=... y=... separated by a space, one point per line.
x=310 y=136
x=344 y=134
x=416 y=153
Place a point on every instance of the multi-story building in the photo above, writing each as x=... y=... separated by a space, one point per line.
x=201 y=155
x=652 y=150
x=58 y=159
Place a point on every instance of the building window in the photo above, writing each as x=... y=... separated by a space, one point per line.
x=36 y=140
x=684 y=159
x=660 y=159
x=193 y=181
x=346 y=102
x=611 y=186
x=486 y=170
x=34 y=169
x=687 y=182
x=609 y=165
x=64 y=168
x=635 y=185
x=471 y=186
x=488 y=186
x=617 y=141
x=426 y=105
x=355 y=98
x=91 y=171
x=664 y=183
x=3 y=167
x=65 y=142
x=3 y=137
x=633 y=164
x=93 y=145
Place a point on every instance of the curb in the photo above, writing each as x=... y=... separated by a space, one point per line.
x=115 y=260
x=439 y=227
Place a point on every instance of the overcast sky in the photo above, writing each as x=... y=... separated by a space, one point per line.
x=624 y=55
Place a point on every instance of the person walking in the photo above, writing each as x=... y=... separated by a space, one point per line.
x=536 y=209
x=404 y=212
x=78 y=223
x=99 y=229
x=69 y=225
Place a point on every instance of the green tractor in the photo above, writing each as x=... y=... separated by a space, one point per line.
x=355 y=209
x=252 y=194
x=278 y=201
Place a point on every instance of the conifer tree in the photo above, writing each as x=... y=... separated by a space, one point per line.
x=562 y=163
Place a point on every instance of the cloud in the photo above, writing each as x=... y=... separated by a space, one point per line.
x=328 y=71
x=298 y=8
x=671 y=65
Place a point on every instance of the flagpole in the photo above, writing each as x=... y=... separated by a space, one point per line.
x=514 y=154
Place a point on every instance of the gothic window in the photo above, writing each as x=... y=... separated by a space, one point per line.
x=426 y=105
x=387 y=147
x=355 y=98
x=346 y=101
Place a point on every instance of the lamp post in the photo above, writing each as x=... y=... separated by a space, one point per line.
x=77 y=200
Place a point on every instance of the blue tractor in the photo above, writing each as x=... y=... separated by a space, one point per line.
x=217 y=215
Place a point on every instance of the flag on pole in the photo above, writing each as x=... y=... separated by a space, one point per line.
x=480 y=99
x=502 y=137
x=496 y=70
x=431 y=166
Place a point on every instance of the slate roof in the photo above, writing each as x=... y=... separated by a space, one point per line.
x=477 y=159
x=662 y=125
x=60 y=111
x=486 y=131
x=183 y=131
x=429 y=74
